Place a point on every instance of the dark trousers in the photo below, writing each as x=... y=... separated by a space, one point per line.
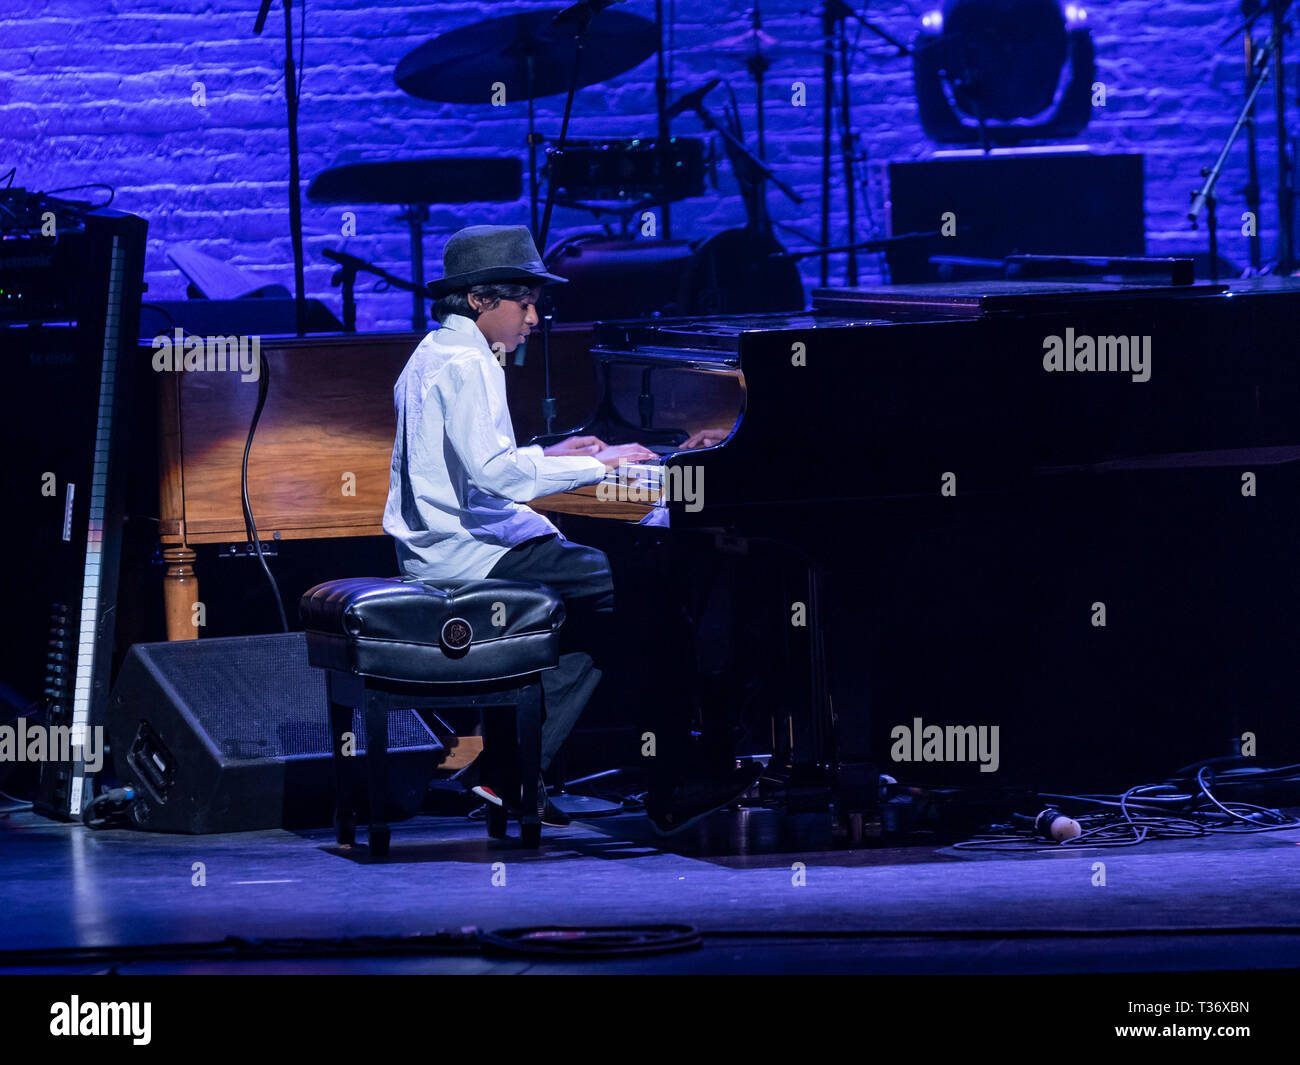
x=582 y=578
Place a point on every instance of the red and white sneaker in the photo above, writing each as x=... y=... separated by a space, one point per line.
x=487 y=794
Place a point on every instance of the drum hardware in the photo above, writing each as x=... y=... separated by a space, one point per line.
x=532 y=54
x=415 y=215
x=758 y=65
x=538 y=52
x=835 y=14
x=414 y=184
x=1257 y=60
x=292 y=86
x=747 y=168
x=739 y=271
x=346 y=276
x=624 y=212
x=1204 y=196
x=633 y=173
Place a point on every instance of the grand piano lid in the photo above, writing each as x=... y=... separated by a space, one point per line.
x=995 y=297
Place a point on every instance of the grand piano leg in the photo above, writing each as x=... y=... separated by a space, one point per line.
x=180 y=593
x=842 y=718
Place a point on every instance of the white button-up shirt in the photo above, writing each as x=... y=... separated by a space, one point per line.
x=458 y=482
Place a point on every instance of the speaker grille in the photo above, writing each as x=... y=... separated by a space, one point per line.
x=258 y=697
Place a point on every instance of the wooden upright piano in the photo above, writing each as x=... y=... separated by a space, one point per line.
x=319 y=463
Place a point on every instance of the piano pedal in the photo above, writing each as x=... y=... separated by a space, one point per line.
x=855 y=827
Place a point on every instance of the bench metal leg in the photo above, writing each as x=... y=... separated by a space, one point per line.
x=345 y=811
x=377 y=769
x=528 y=733
x=512 y=753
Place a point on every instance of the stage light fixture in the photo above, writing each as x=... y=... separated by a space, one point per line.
x=1000 y=72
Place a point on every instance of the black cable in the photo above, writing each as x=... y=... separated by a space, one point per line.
x=108 y=810
x=1137 y=816
x=250 y=527
x=19 y=804
x=112 y=193
x=592 y=941
x=164 y=312
x=1242 y=762
x=1260 y=819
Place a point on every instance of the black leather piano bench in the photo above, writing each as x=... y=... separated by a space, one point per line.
x=391 y=644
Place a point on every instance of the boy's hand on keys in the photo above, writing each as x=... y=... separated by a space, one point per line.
x=621 y=453
x=577 y=445
x=705 y=438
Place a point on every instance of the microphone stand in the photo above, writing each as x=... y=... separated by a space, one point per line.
x=847 y=154
x=828 y=92
x=835 y=14
x=1285 y=204
x=1277 y=10
x=295 y=176
x=581 y=13
x=346 y=275
x=661 y=112
x=1204 y=196
x=1252 y=148
x=763 y=171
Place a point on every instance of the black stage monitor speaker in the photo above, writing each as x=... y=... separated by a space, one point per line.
x=232 y=734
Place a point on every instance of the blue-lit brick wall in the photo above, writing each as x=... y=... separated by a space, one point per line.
x=105 y=91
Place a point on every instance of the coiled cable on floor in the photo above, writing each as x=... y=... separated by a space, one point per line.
x=596 y=941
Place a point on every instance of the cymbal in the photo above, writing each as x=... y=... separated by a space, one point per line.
x=462 y=65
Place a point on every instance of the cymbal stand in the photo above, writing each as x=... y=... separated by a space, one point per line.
x=835 y=14
x=1204 y=196
x=582 y=17
x=1285 y=205
x=749 y=160
x=535 y=139
x=295 y=176
x=758 y=65
x=661 y=113
x=1277 y=10
x=1251 y=190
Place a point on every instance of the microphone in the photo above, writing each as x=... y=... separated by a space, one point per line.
x=1054 y=825
x=692 y=100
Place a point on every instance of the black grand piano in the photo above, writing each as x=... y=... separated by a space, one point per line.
x=963 y=473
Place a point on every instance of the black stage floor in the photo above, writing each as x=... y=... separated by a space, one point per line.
x=1217 y=903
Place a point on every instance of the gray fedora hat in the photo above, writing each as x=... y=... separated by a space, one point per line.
x=479 y=255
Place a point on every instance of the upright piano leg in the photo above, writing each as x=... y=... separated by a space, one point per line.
x=180 y=593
